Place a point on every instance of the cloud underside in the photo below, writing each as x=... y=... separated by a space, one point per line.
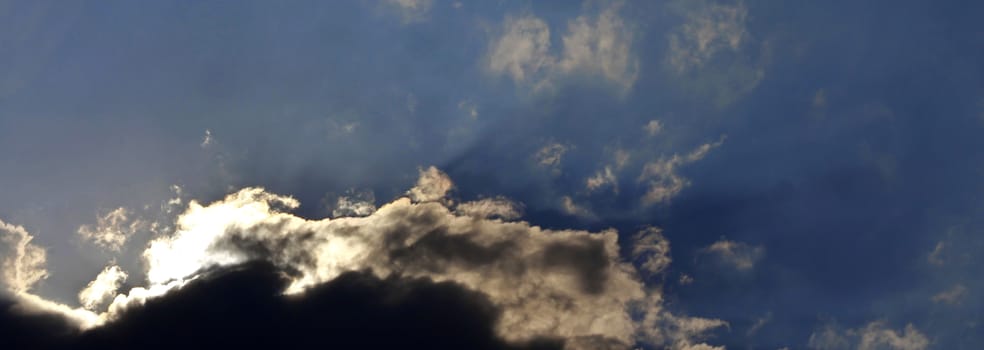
x=565 y=285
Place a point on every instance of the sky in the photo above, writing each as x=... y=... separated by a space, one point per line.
x=672 y=174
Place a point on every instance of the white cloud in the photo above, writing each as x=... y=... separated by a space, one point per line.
x=651 y=250
x=569 y=207
x=759 y=323
x=653 y=127
x=594 y=45
x=606 y=176
x=489 y=208
x=550 y=155
x=102 y=289
x=599 y=293
x=601 y=46
x=738 y=255
x=24 y=262
x=710 y=28
x=207 y=139
x=936 y=256
x=354 y=203
x=469 y=108
x=23 y=267
x=412 y=10
x=523 y=49
x=432 y=185
x=662 y=177
x=112 y=229
x=952 y=296
x=873 y=336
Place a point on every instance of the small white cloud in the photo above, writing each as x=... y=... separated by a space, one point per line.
x=936 y=256
x=412 y=10
x=207 y=139
x=550 y=155
x=662 y=177
x=953 y=296
x=354 y=204
x=23 y=261
x=102 y=290
x=112 y=229
x=653 y=127
x=602 y=178
x=570 y=208
x=741 y=256
x=432 y=185
x=489 y=208
x=685 y=279
x=710 y=29
x=469 y=108
x=651 y=250
x=606 y=177
x=759 y=323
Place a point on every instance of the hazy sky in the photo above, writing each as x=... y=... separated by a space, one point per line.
x=769 y=173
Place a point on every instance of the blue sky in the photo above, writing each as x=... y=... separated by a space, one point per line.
x=815 y=167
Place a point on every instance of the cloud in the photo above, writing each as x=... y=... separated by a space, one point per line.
x=24 y=262
x=432 y=185
x=593 y=45
x=873 y=336
x=569 y=207
x=111 y=230
x=411 y=10
x=936 y=256
x=653 y=127
x=239 y=307
x=606 y=176
x=543 y=284
x=738 y=255
x=498 y=207
x=354 y=203
x=651 y=250
x=602 y=46
x=710 y=29
x=759 y=323
x=207 y=140
x=952 y=296
x=550 y=155
x=662 y=178
x=102 y=289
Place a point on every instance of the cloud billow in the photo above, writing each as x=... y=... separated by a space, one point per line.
x=528 y=284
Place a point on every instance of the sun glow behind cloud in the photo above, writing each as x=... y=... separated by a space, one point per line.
x=565 y=284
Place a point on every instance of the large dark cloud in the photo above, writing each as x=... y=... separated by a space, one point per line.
x=242 y=307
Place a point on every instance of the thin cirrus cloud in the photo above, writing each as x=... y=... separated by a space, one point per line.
x=568 y=284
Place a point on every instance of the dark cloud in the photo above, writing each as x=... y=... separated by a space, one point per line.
x=242 y=307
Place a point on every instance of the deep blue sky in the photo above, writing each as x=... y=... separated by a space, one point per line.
x=843 y=137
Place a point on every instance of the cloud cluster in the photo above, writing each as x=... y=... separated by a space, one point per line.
x=600 y=45
x=544 y=284
x=873 y=336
